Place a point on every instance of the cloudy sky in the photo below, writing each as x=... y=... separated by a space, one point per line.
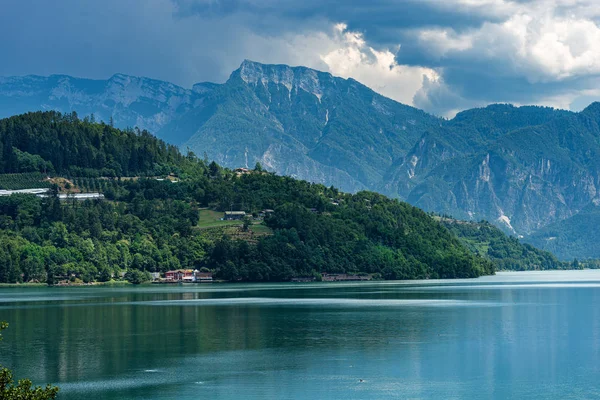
x=439 y=55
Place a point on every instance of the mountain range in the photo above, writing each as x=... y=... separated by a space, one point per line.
x=532 y=171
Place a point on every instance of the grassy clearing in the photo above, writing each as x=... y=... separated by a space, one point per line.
x=482 y=247
x=212 y=219
x=259 y=228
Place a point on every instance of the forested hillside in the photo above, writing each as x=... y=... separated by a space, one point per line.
x=506 y=252
x=62 y=144
x=151 y=224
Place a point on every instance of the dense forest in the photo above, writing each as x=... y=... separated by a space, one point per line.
x=151 y=224
x=62 y=144
x=506 y=252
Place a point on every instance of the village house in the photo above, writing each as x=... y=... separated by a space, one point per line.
x=188 y=275
x=265 y=213
x=234 y=215
x=180 y=275
x=204 y=276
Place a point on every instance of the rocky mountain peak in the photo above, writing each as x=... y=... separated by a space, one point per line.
x=304 y=78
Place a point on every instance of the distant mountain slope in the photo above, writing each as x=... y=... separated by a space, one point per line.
x=524 y=180
x=129 y=101
x=468 y=133
x=306 y=124
x=523 y=168
x=575 y=237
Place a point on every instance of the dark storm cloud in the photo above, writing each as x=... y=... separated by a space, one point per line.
x=185 y=41
x=381 y=21
x=98 y=39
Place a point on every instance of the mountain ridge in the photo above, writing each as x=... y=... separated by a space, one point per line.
x=522 y=168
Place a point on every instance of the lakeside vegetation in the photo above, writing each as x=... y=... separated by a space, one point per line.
x=150 y=225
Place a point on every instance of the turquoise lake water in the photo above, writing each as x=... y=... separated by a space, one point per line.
x=515 y=335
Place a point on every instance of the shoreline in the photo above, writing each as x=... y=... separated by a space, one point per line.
x=220 y=282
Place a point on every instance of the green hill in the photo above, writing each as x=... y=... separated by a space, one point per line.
x=149 y=223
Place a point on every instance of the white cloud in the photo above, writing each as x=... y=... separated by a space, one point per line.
x=546 y=42
x=377 y=69
x=551 y=46
x=437 y=97
x=443 y=41
x=539 y=41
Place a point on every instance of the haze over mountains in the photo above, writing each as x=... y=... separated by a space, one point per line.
x=533 y=171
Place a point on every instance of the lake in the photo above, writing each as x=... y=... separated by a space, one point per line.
x=532 y=335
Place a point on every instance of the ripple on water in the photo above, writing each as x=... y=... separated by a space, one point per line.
x=266 y=301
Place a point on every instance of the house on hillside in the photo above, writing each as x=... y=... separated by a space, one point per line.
x=234 y=215
x=188 y=275
x=265 y=213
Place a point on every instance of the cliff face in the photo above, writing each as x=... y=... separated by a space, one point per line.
x=525 y=179
x=306 y=124
x=523 y=168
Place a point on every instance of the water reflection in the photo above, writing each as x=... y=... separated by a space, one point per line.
x=486 y=338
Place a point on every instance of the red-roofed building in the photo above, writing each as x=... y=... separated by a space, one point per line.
x=180 y=275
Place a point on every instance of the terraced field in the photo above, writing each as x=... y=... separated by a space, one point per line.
x=29 y=180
